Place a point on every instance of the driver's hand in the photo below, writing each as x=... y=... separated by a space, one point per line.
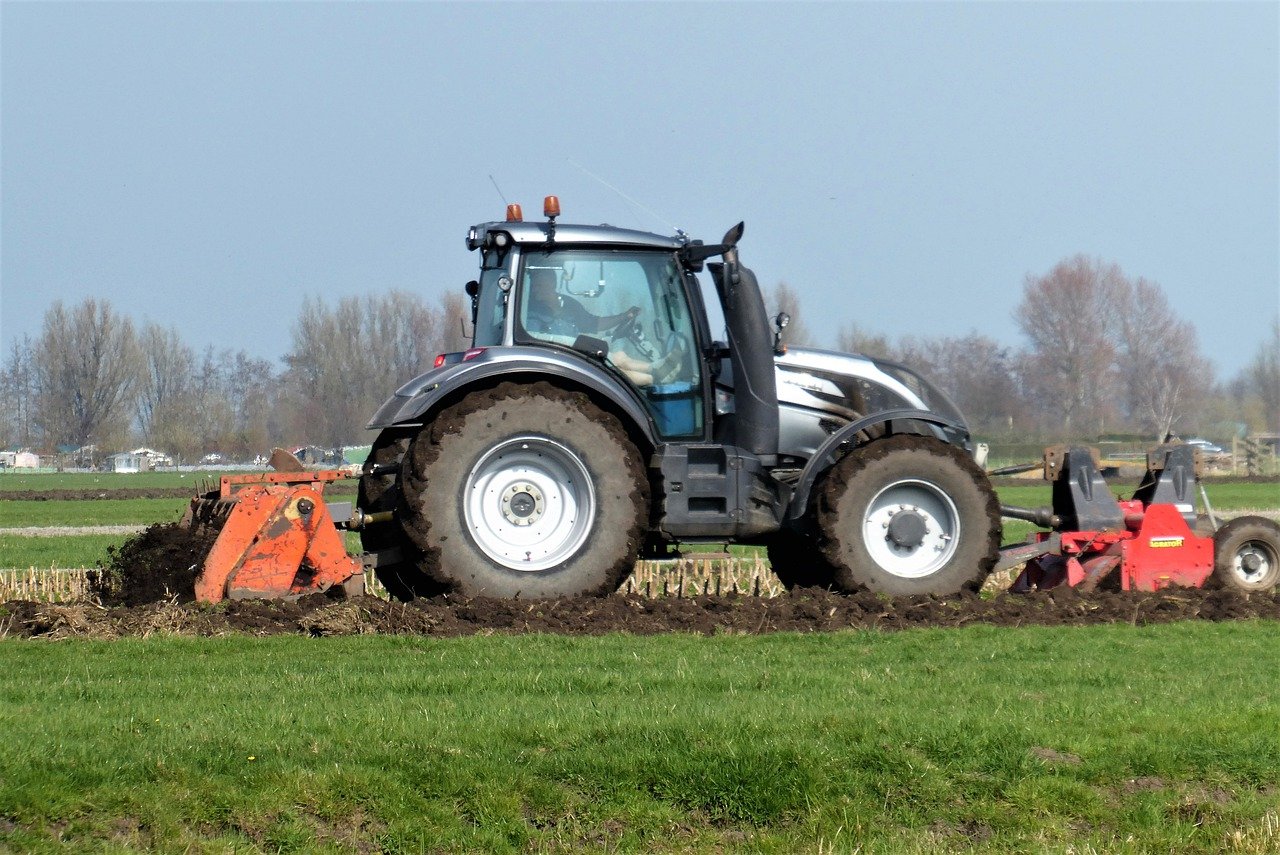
x=633 y=313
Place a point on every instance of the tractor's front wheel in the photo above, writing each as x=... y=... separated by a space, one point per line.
x=798 y=562
x=525 y=490
x=1246 y=554
x=908 y=514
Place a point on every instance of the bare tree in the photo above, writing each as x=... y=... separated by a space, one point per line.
x=165 y=388
x=345 y=360
x=1067 y=315
x=1158 y=359
x=455 y=322
x=85 y=365
x=977 y=373
x=17 y=396
x=1263 y=377
x=854 y=339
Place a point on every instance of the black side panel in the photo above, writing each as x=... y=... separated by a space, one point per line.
x=715 y=491
x=1170 y=479
x=751 y=348
x=1081 y=497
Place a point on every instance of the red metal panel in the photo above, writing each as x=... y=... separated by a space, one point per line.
x=1166 y=552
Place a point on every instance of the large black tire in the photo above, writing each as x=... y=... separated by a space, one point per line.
x=798 y=562
x=1246 y=555
x=525 y=490
x=403 y=579
x=908 y=514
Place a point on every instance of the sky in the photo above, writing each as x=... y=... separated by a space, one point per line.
x=903 y=166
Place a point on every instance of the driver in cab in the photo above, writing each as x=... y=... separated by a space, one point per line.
x=560 y=318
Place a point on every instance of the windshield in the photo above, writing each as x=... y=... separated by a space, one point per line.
x=633 y=301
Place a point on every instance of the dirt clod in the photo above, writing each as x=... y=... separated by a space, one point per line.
x=160 y=564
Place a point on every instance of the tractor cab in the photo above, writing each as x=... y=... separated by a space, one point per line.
x=620 y=299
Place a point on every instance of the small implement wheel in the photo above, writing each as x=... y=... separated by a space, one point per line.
x=908 y=514
x=525 y=490
x=1246 y=554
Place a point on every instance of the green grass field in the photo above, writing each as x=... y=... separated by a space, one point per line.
x=1107 y=739
x=77 y=512
x=85 y=550
x=103 y=480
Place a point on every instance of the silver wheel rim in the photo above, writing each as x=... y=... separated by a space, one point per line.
x=899 y=514
x=1254 y=562
x=529 y=503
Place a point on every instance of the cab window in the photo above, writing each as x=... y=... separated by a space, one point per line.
x=634 y=302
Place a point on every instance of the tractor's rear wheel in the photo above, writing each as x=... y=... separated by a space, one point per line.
x=1246 y=554
x=908 y=514
x=381 y=492
x=525 y=490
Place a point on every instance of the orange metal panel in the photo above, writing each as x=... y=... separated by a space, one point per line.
x=279 y=541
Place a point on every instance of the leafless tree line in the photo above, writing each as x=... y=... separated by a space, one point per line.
x=1104 y=353
x=93 y=377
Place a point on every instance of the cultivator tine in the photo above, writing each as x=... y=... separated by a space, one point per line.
x=208 y=513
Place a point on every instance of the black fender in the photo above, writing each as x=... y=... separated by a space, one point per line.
x=829 y=452
x=414 y=402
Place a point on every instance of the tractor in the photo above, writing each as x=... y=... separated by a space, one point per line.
x=597 y=418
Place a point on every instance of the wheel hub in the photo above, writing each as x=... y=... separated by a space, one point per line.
x=523 y=504
x=911 y=528
x=1252 y=562
x=529 y=503
x=907 y=529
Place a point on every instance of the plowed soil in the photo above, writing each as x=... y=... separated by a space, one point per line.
x=89 y=495
x=146 y=589
x=811 y=610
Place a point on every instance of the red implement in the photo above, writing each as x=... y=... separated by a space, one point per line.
x=1156 y=549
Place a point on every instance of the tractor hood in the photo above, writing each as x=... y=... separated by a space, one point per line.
x=848 y=385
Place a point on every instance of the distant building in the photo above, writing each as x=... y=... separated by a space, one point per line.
x=157 y=458
x=128 y=461
x=19 y=460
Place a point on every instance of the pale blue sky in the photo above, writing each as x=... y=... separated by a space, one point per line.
x=903 y=166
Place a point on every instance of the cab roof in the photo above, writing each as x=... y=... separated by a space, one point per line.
x=570 y=233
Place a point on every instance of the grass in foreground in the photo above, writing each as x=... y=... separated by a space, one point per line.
x=1109 y=739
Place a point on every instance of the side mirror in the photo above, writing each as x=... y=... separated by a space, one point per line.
x=473 y=291
x=781 y=321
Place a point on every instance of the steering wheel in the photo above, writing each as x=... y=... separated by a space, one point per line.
x=627 y=329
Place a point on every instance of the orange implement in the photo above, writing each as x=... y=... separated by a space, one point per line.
x=278 y=540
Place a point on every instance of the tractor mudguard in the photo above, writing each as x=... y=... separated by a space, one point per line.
x=827 y=454
x=423 y=394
